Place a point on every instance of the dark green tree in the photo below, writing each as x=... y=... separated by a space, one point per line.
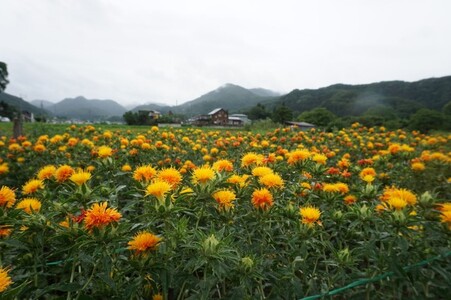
x=319 y=116
x=447 y=115
x=447 y=109
x=7 y=110
x=281 y=114
x=3 y=76
x=426 y=119
x=130 y=118
x=258 y=112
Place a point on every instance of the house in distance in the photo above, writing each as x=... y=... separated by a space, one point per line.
x=219 y=117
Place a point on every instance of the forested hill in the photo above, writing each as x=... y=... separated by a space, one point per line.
x=403 y=98
x=18 y=104
x=229 y=96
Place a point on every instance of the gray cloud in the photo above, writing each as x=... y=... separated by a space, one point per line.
x=143 y=51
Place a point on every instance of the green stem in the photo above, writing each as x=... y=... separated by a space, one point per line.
x=72 y=275
x=89 y=280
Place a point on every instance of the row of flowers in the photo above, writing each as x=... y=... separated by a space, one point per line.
x=201 y=213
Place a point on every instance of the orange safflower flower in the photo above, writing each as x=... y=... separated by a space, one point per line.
x=4 y=168
x=261 y=171
x=272 y=180
x=417 y=166
x=144 y=173
x=330 y=188
x=63 y=173
x=99 y=216
x=344 y=163
x=158 y=189
x=126 y=168
x=262 y=198
x=392 y=192
x=5 y=280
x=223 y=165
x=342 y=187
x=298 y=155
x=171 y=176
x=251 y=158
x=72 y=142
x=39 y=148
x=350 y=199
x=80 y=177
x=144 y=241
x=445 y=217
x=5 y=231
x=444 y=206
x=7 y=197
x=238 y=180
x=29 y=205
x=319 y=158
x=225 y=199
x=397 y=203
x=309 y=214
x=46 y=172
x=203 y=175
x=104 y=151
x=31 y=186
x=367 y=172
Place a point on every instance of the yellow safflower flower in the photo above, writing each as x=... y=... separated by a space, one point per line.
x=309 y=214
x=29 y=205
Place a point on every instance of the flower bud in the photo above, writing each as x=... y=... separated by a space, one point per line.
x=426 y=198
x=209 y=245
x=247 y=262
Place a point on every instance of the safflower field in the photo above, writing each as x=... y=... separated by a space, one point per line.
x=96 y=212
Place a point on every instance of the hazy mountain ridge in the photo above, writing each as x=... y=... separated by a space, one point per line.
x=346 y=100
x=21 y=104
x=264 y=92
x=153 y=106
x=398 y=97
x=232 y=97
x=85 y=109
x=42 y=103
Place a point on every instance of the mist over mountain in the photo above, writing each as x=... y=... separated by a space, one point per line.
x=42 y=104
x=264 y=92
x=402 y=98
x=152 y=106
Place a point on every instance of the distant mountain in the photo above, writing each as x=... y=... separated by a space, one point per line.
x=87 y=109
x=231 y=97
x=153 y=106
x=264 y=92
x=403 y=98
x=21 y=104
x=42 y=104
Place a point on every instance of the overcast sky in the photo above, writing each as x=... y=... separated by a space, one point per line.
x=174 y=51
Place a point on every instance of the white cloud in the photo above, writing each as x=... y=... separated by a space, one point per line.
x=138 y=51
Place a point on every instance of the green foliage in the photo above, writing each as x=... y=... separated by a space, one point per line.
x=281 y=114
x=3 y=76
x=263 y=125
x=426 y=119
x=7 y=110
x=258 y=112
x=319 y=116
